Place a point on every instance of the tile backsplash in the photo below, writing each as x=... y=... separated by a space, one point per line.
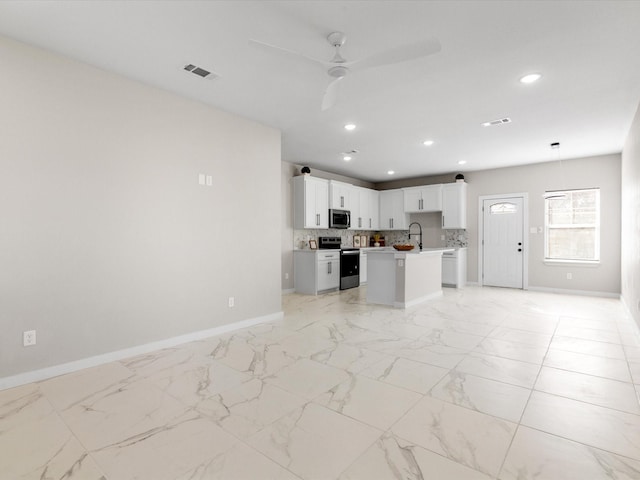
x=301 y=237
x=453 y=238
x=456 y=238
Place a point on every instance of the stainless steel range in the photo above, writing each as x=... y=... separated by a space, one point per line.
x=349 y=261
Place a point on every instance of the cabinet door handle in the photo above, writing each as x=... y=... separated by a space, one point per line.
x=329 y=268
x=391 y=222
x=342 y=202
x=420 y=204
x=443 y=220
x=317 y=219
x=369 y=223
x=359 y=222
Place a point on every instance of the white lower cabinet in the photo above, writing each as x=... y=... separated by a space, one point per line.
x=454 y=268
x=316 y=271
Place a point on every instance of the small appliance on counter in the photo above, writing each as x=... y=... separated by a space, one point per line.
x=349 y=261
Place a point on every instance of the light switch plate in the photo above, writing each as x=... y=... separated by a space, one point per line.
x=201 y=179
x=209 y=180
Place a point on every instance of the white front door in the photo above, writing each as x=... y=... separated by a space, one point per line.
x=502 y=242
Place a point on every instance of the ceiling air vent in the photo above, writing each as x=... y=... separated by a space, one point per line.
x=500 y=121
x=201 y=72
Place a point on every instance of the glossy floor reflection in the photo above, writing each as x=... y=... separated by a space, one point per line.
x=480 y=384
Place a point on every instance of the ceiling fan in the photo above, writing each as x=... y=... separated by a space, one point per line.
x=338 y=67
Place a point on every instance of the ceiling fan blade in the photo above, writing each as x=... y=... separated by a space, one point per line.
x=399 y=54
x=330 y=94
x=292 y=53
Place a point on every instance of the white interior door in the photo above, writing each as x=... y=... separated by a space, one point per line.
x=503 y=249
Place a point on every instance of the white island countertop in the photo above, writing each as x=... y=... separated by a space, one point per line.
x=415 y=251
x=404 y=278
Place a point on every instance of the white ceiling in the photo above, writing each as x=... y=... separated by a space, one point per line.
x=587 y=51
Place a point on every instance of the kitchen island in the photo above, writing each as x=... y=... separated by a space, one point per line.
x=403 y=279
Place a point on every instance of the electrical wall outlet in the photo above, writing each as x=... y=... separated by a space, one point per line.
x=232 y=302
x=29 y=338
x=569 y=276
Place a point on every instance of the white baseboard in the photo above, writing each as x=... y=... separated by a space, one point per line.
x=588 y=293
x=56 y=370
x=419 y=300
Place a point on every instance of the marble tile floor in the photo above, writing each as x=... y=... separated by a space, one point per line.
x=482 y=383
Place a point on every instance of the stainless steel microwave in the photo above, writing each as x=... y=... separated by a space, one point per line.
x=339 y=218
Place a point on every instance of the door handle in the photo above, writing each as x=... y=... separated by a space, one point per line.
x=329 y=268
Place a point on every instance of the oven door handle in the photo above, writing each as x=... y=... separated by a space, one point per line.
x=355 y=252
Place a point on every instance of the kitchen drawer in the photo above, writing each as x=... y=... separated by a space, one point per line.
x=328 y=255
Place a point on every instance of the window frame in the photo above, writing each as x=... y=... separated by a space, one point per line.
x=596 y=226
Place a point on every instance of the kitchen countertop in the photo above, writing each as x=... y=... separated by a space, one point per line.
x=415 y=251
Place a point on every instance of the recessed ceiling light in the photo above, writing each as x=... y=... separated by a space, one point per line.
x=428 y=143
x=350 y=126
x=462 y=162
x=346 y=158
x=530 y=78
x=390 y=172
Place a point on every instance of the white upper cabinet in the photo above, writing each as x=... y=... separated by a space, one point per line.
x=341 y=195
x=392 y=214
x=310 y=202
x=365 y=217
x=374 y=210
x=427 y=198
x=454 y=205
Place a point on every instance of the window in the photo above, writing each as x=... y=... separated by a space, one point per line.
x=572 y=225
x=502 y=208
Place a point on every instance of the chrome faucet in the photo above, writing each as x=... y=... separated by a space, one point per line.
x=420 y=227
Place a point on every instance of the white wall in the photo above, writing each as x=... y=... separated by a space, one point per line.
x=106 y=239
x=602 y=171
x=631 y=219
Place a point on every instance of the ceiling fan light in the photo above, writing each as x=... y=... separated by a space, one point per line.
x=338 y=71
